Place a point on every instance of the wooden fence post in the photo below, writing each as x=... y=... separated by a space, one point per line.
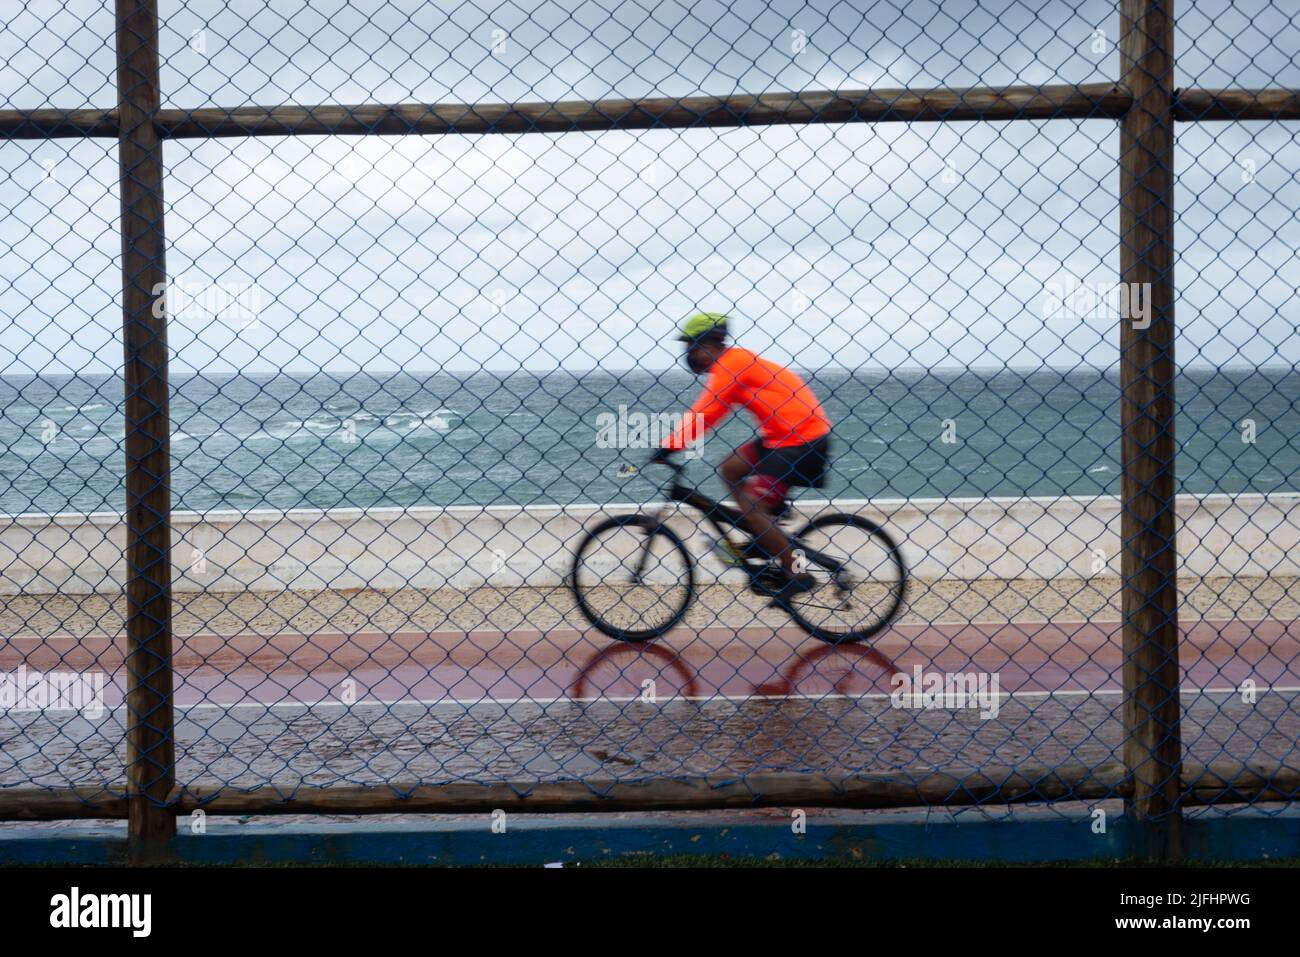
x=150 y=722
x=1149 y=563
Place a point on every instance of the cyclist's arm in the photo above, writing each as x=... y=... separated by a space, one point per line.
x=712 y=406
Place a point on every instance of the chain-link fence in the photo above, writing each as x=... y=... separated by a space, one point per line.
x=366 y=520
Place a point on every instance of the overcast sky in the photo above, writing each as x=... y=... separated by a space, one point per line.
x=853 y=245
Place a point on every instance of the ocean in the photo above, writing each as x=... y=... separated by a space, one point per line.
x=409 y=439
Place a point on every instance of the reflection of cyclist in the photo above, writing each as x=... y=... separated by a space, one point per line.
x=793 y=444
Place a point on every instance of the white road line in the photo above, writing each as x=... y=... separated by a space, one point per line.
x=510 y=702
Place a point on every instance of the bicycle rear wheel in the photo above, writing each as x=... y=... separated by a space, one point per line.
x=861 y=579
x=632 y=577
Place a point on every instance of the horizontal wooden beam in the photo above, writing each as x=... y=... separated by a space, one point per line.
x=880 y=790
x=1197 y=105
x=1089 y=100
x=46 y=124
x=876 y=790
x=849 y=106
x=1219 y=783
x=1229 y=782
x=62 y=804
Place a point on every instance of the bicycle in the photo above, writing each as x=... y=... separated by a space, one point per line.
x=629 y=581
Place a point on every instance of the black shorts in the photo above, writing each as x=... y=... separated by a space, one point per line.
x=795 y=465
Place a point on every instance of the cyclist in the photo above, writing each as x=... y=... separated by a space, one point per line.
x=792 y=447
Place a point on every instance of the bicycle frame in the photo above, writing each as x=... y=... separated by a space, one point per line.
x=723 y=517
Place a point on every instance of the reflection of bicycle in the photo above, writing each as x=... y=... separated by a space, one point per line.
x=612 y=672
x=634 y=578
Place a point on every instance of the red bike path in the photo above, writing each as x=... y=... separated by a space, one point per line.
x=494 y=666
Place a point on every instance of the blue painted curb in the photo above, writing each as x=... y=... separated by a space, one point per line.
x=1034 y=835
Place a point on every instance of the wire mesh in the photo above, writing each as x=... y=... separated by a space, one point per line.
x=414 y=379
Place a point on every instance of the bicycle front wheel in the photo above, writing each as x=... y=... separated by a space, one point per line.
x=633 y=578
x=860 y=574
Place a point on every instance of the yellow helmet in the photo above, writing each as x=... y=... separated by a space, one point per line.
x=702 y=324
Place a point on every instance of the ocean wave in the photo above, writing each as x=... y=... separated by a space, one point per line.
x=346 y=413
x=278 y=430
x=439 y=420
x=293 y=428
x=67 y=409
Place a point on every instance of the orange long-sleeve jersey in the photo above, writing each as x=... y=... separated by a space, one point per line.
x=787 y=411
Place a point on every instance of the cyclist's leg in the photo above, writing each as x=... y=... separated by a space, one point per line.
x=756 y=517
